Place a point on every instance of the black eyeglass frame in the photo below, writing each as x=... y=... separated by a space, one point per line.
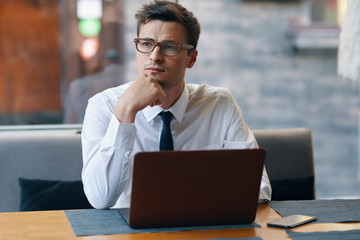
x=178 y=45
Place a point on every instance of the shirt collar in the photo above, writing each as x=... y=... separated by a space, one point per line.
x=178 y=109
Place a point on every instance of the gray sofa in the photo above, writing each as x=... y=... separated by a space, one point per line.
x=42 y=152
x=54 y=153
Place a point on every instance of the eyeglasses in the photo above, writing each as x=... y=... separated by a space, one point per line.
x=169 y=49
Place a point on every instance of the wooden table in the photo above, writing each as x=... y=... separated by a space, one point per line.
x=54 y=225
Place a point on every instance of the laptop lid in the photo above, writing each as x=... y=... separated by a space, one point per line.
x=190 y=188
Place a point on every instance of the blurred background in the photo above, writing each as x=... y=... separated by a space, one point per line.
x=279 y=59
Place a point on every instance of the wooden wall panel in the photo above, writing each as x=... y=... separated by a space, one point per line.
x=29 y=56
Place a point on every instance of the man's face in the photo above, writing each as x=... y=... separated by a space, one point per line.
x=169 y=72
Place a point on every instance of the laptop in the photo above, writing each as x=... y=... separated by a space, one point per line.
x=194 y=188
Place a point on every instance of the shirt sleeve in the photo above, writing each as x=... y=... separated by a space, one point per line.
x=107 y=147
x=240 y=136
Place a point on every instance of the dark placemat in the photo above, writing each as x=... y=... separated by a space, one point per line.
x=326 y=211
x=254 y=238
x=104 y=222
x=333 y=235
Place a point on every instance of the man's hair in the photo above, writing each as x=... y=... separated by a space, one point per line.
x=170 y=12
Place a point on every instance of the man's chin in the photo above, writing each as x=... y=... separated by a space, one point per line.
x=162 y=83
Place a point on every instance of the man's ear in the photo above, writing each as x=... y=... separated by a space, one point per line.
x=192 y=59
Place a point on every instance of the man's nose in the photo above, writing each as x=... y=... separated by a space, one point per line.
x=156 y=55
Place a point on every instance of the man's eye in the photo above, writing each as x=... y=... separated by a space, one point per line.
x=146 y=44
x=169 y=47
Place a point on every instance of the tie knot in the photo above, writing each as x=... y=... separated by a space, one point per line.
x=166 y=118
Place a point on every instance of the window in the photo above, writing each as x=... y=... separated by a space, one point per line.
x=253 y=57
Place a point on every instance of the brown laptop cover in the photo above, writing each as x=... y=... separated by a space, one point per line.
x=193 y=188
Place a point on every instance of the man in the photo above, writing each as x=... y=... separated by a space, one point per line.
x=122 y=121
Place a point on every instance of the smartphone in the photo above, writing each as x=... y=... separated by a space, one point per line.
x=291 y=221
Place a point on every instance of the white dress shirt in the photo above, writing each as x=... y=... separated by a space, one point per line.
x=205 y=117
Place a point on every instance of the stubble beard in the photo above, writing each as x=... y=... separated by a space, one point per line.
x=165 y=84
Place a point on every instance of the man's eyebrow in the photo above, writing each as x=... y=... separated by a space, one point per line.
x=150 y=39
x=169 y=41
x=165 y=41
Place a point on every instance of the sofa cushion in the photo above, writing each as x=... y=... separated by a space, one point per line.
x=51 y=195
x=301 y=188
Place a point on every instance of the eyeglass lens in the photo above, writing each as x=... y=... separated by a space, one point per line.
x=147 y=46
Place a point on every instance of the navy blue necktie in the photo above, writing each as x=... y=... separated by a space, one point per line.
x=166 y=140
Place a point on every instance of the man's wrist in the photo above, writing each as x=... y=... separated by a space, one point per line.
x=125 y=114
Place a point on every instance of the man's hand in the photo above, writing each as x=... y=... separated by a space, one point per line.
x=143 y=92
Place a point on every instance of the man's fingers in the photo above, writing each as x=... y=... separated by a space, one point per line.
x=158 y=101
